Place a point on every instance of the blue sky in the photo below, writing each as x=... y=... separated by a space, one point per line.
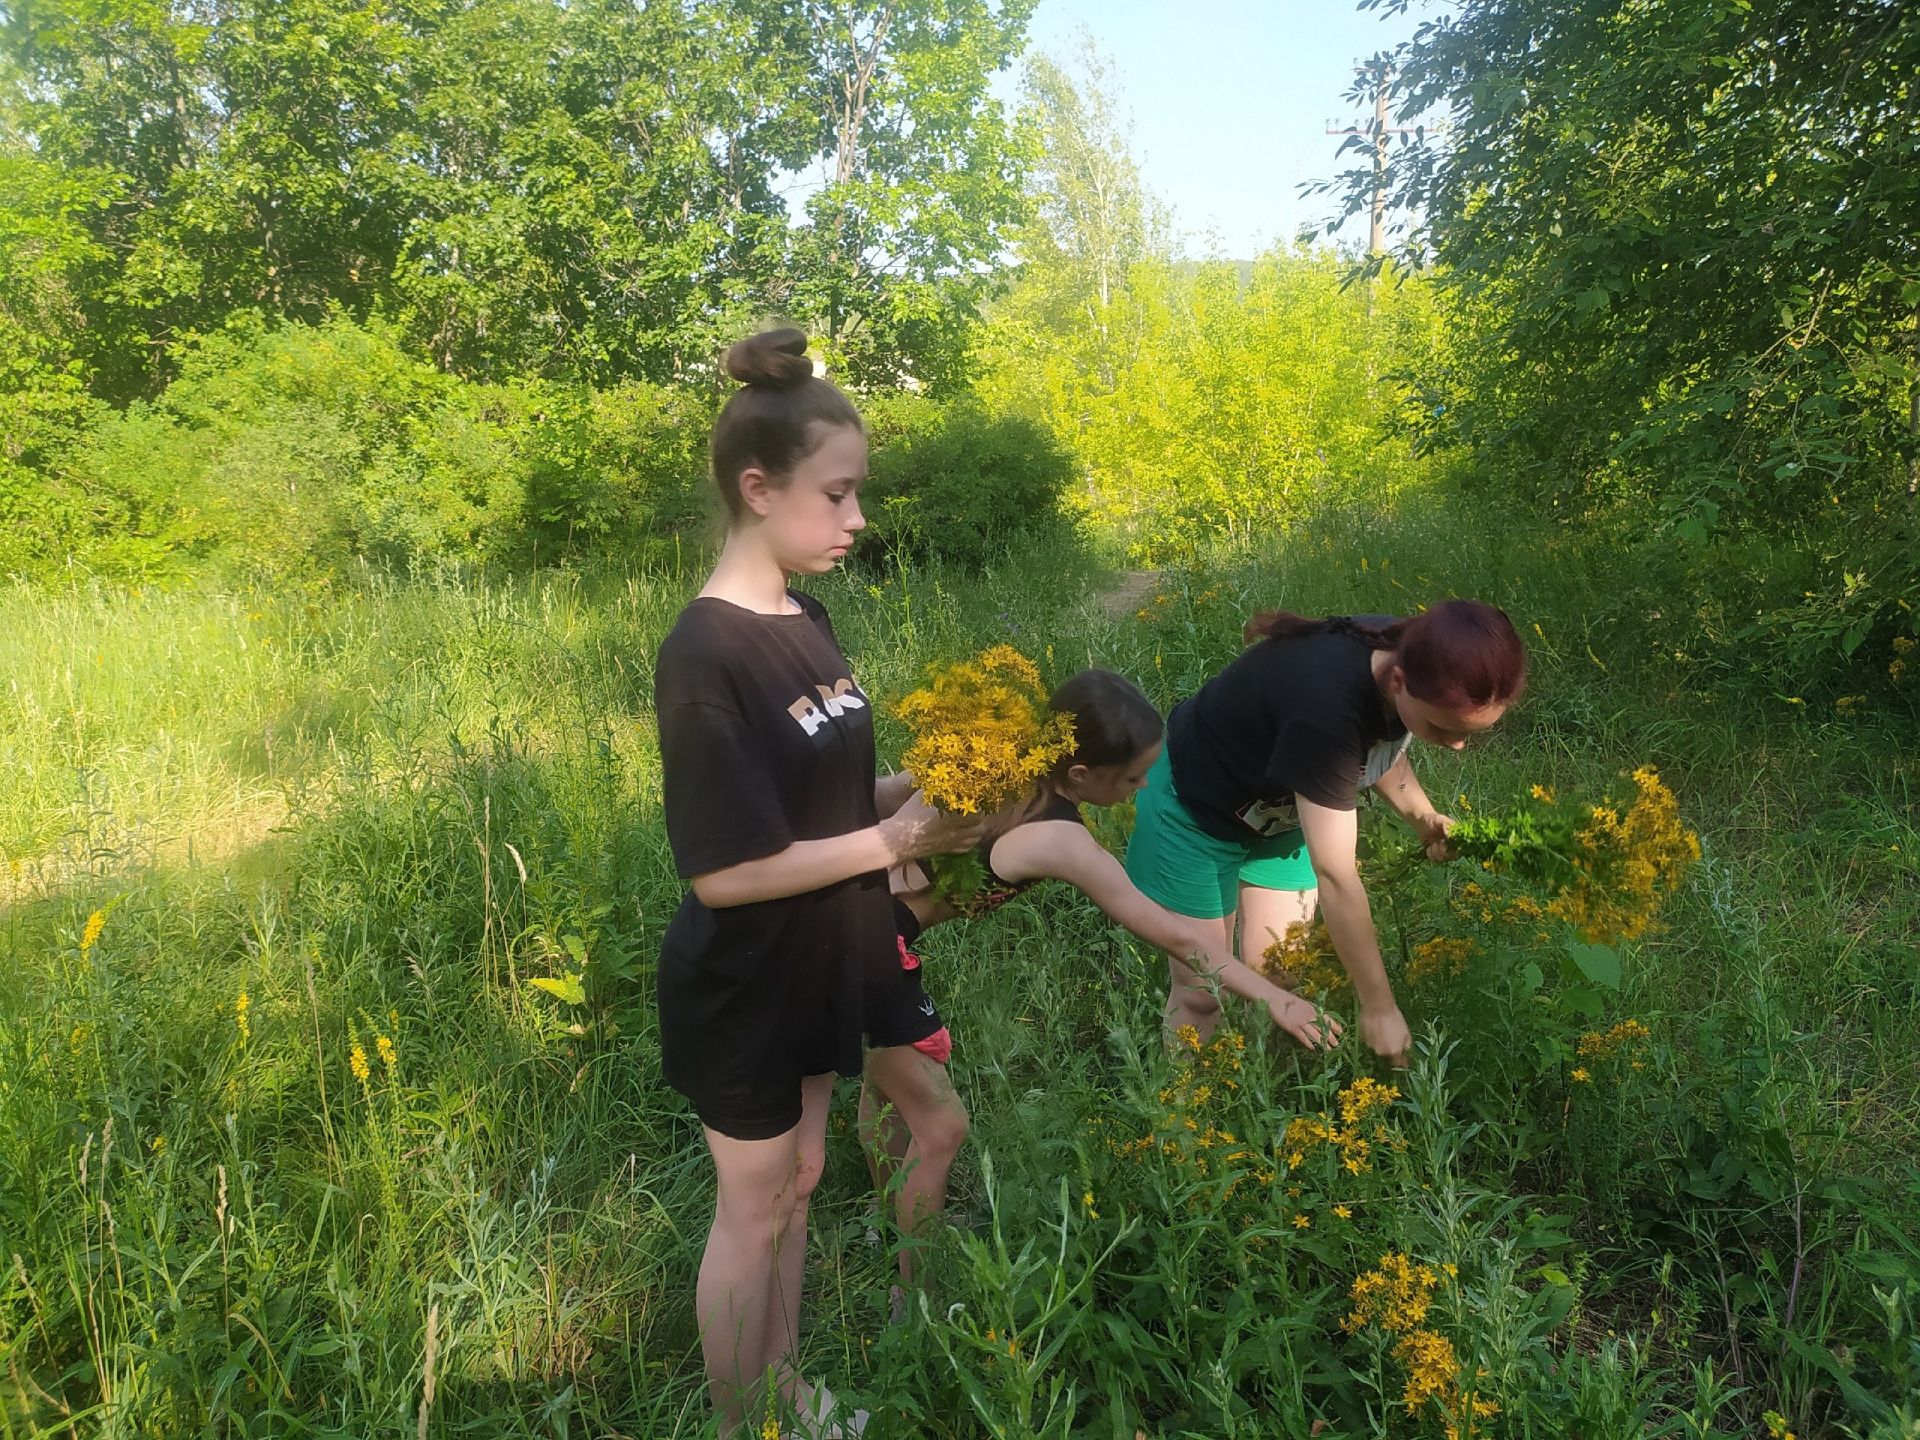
x=1230 y=100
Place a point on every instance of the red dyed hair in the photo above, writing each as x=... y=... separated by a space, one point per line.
x=1460 y=655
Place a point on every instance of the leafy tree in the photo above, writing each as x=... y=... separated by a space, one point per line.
x=1682 y=246
x=922 y=173
x=589 y=190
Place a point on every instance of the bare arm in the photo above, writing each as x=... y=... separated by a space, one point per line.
x=1062 y=850
x=890 y=792
x=913 y=830
x=1332 y=841
x=1401 y=789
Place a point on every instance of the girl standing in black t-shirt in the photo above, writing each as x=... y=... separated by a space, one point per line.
x=1253 y=809
x=911 y=1117
x=767 y=765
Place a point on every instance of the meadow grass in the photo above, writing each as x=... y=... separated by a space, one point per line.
x=293 y=1146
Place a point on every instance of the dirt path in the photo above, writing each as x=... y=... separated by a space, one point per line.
x=1126 y=594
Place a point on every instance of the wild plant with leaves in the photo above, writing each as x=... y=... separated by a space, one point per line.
x=1609 y=866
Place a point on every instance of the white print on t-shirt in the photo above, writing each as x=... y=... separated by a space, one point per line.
x=837 y=699
x=1271 y=817
x=1276 y=817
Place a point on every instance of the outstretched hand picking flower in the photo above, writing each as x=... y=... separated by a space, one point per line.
x=983 y=738
x=1609 y=871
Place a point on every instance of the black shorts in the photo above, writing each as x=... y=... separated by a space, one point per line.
x=743 y=1022
x=899 y=1010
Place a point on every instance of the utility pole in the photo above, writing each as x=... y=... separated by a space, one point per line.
x=1377 y=134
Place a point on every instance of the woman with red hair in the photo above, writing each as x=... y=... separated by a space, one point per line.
x=1250 y=814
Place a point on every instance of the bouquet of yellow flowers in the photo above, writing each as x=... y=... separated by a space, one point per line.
x=1609 y=867
x=983 y=738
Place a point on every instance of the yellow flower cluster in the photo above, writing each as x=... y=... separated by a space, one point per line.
x=89 y=937
x=1605 y=1044
x=357 y=1062
x=1442 y=958
x=1203 y=1074
x=1364 y=1096
x=1626 y=865
x=242 y=1016
x=1473 y=902
x=982 y=734
x=1358 y=1104
x=1903 y=646
x=1777 y=1428
x=1304 y=961
x=1395 y=1297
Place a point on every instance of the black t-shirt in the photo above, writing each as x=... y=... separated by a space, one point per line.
x=765 y=739
x=1290 y=717
x=994 y=891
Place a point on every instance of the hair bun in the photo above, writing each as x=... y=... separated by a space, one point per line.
x=773 y=357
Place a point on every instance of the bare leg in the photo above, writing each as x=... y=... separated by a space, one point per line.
x=736 y=1294
x=1265 y=916
x=790 y=1245
x=929 y=1115
x=1190 y=996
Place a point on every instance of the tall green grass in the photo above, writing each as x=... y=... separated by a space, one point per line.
x=379 y=815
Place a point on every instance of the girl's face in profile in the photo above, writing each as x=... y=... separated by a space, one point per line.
x=1111 y=784
x=812 y=521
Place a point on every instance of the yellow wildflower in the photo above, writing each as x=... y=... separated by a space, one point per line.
x=1086 y=1203
x=1303 y=960
x=388 y=1057
x=1442 y=957
x=1343 y=1212
x=1302 y=1222
x=357 y=1062
x=983 y=736
x=1605 y=1045
x=1365 y=1095
x=1432 y=1367
x=1580 y=1076
x=1394 y=1296
x=242 y=1006
x=89 y=937
x=1626 y=864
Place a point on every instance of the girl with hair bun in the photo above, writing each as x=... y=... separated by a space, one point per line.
x=767 y=760
x=1251 y=810
x=911 y=1117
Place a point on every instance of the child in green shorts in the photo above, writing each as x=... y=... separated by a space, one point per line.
x=1249 y=815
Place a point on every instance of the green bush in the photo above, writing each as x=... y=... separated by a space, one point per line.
x=958 y=481
x=305 y=451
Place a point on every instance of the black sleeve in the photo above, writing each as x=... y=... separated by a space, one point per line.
x=722 y=807
x=720 y=802
x=1316 y=764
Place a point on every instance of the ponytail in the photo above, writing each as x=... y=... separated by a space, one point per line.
x=1460 y=655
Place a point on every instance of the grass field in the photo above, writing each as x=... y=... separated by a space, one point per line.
x=289 y=1144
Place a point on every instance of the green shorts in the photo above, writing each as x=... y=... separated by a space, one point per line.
x=1177 y=864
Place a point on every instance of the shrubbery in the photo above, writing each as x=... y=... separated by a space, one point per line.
x=310 y=451
x=959 y=481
